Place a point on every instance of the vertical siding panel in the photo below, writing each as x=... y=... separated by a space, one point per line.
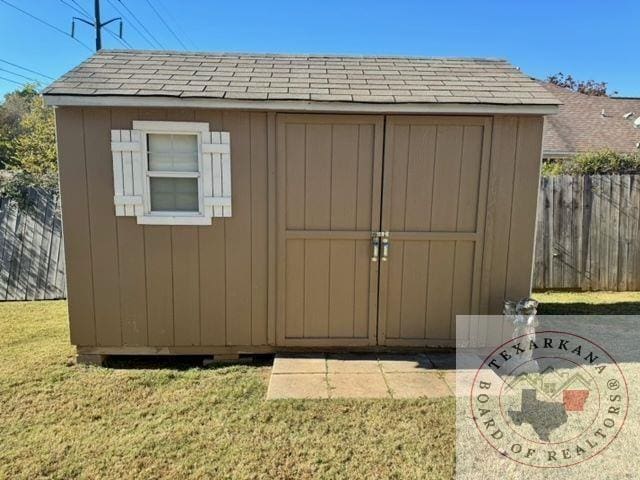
x=365 y=177
x=211 y=245
x=157 y=245
x=238 y=231
x=523 y=213
x=419 y=194
x=414 y=285
x=444 y=206
x=462 y=281
x=102 y=221
x=342 y=288
x=73 y=186
x=503 y=152
x=344 y=171
x=131 y=259
x=440 y=289
x=186 y=294
x=259 y=228
x=469 y=179
x=318 y=177
x=317 y=273
x=294 y=308
x=272 y=303
x=361 y=289
x=291 y=180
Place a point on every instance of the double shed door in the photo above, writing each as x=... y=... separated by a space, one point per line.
x=346 y=182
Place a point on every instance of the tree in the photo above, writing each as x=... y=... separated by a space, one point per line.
x=588 y=87
x=15 y=106
x=34 y=149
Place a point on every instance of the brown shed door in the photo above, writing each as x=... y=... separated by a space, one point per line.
x=435 y=176
x=329 y=188
x=332 y=197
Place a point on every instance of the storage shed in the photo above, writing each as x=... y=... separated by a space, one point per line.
x=232 y=203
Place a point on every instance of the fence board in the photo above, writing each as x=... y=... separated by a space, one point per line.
x=588 y=234
x=31 y=250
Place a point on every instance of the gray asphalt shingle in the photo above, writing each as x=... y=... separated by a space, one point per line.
x=304 y=77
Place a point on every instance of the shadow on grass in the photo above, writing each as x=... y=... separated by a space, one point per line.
x=578 y=308
x=180 y=362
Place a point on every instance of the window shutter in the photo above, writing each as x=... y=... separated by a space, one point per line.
x=216 y=174
x=126 y=148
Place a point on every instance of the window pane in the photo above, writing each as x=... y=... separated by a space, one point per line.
x=172 y=153
x=174 y=194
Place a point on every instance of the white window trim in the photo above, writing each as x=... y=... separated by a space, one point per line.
x=170 y=217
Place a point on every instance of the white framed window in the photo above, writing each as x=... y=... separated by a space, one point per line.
x=171 y=173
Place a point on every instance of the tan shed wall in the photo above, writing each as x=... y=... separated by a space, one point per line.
x=207 y=287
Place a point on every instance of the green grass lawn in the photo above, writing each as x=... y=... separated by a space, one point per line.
x=155 y=419
x=176 y=420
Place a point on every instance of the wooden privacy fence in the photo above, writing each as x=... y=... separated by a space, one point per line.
x=31 y=250
x=587 y=238
x=588 y=233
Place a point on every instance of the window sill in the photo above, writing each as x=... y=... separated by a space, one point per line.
x=173 y=220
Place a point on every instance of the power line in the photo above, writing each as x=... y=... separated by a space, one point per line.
x=12 y=81
x=26 y=69
x=19 y=75
x=166 y=24
x=139 y=22
x=121 y=40
x=44 y=22
x=77 y=9
x=182 y=31
x=86 y=12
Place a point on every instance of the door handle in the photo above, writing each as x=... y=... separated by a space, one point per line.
x=375 y=242
x=385 y=246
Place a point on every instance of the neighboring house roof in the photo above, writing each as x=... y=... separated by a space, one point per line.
x=580 y=126
x=311 y=78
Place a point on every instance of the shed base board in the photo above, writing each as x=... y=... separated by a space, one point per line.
x=260 y=349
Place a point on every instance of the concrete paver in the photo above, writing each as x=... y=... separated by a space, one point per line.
x=415 y=385
x=362 y=376
x=353 y=364
x=299 y=364
x=391 y=363
x=358 y=385
x=298 y=385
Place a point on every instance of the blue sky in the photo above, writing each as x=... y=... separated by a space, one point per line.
x=588 y=39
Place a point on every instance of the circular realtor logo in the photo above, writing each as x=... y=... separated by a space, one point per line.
x=549 y=399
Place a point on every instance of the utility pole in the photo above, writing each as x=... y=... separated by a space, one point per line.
x=97 y=24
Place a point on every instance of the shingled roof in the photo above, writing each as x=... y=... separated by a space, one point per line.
x=314 y=78
x=580 y=125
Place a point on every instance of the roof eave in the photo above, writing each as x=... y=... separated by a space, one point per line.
x=295 y=105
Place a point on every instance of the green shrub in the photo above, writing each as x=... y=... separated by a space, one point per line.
x=601 y=162
x=19 y=186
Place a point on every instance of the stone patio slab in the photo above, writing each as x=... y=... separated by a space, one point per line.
x=296 y=385
x=391 y=363
x=299 y=364
x=358 y=385
x=352 y=363
x=415 y=385
x=445 y=361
